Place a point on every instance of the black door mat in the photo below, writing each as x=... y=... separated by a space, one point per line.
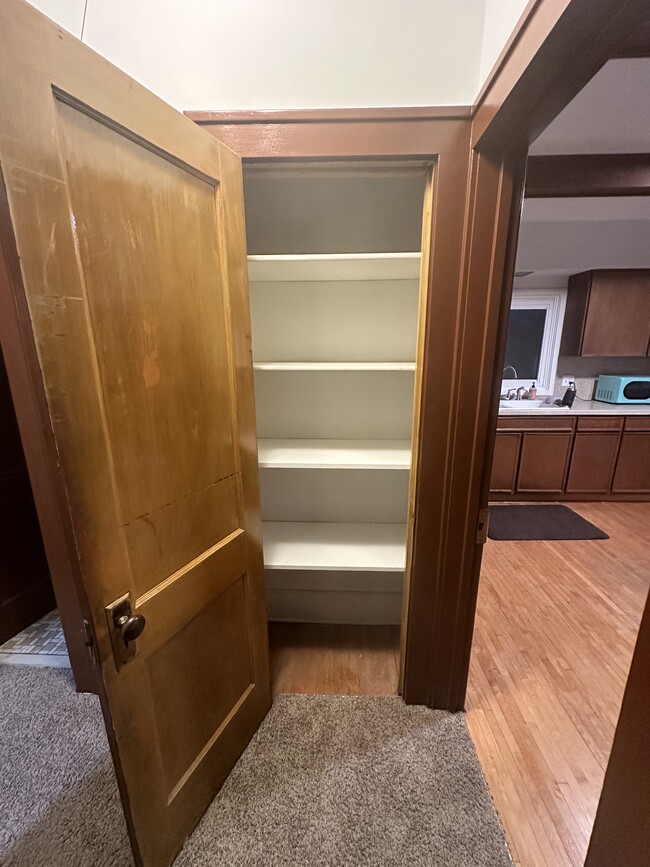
x=537 y=523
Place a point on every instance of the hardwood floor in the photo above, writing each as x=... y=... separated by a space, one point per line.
x=555 y=630
x=334 y=659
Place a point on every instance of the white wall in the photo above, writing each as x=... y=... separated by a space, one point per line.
x=500 y=19
x=257 y=54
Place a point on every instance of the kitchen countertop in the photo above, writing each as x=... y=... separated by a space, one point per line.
x=580 y=407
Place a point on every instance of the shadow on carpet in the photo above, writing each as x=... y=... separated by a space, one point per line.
x=327 y=780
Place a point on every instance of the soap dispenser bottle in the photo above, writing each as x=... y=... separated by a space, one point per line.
x=569 y=395
x=532 y=392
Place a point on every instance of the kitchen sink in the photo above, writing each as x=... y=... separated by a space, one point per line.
x=523 y=404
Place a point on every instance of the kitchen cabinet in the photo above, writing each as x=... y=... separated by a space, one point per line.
x=571 y=458
x=593 y=459
x=543 y=463
x=607 y=314
x=505 y=462
x=632 y=474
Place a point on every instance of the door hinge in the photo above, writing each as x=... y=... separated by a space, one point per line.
x=482 y=528
x=89 y=642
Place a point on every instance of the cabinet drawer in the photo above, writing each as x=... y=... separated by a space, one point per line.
x=641 y=423
x=554 y=423
x=600 y=422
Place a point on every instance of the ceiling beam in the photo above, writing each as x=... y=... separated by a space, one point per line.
x=582 y=175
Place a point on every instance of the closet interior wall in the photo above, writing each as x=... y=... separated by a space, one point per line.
x=334 y=267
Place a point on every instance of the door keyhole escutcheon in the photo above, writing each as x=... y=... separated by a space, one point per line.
x=124 y=627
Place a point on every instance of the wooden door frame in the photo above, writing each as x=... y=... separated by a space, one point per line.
x=555 y=49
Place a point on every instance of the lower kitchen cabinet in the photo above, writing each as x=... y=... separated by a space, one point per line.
x=592 y=463
x=543 y=463
x=505 y=462
x=571 y=458
x=632 y=474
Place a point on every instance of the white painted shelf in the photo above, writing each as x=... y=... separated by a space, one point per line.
x=335 y=365
x=339 y=547
x=335 y=454
x=334 y=266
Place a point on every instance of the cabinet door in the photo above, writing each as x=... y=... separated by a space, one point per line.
x=618 y=314
x=592 y=463
x=632 y=474
x=504 y=463
x=543 y=465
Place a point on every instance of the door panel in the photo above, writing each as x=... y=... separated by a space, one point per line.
x=128 y=220
x=543 y=464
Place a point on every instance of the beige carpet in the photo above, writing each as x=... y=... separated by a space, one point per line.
x=328 y=781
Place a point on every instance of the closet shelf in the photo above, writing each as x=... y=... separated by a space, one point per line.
x=335 y=454
x=335 y=365
x=334 y=266
x=339 y=547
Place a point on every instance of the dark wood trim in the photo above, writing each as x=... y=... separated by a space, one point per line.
x=621 y=832
x=560 y=46
x=23 y=371
x=330 y=115
x=506 y=51
x=493 y=224
x=385 y=139
x=586 y=175
x=638 y=45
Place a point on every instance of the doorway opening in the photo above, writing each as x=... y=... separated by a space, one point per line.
x=335 y=275
x=30 y=630
x=557 y=619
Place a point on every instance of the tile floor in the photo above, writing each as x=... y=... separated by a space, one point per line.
x=42 y=643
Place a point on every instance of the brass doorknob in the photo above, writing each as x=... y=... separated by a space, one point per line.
x=131 y=626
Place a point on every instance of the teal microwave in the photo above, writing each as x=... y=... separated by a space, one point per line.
x=623 y=389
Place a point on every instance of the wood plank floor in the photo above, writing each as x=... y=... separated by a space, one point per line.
x=334 y=659
x=555 y=630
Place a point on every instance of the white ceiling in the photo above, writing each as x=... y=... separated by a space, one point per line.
x=560 y=237
x=595 y=208
x=611 y=114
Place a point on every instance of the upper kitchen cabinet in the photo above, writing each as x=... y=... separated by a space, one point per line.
x=607 y=314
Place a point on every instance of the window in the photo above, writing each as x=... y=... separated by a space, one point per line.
x=533 y=340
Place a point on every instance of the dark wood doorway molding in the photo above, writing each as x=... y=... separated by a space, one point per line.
x=479 y=152
x=580 y=175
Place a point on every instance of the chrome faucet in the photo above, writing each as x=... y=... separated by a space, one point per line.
x=521 y=393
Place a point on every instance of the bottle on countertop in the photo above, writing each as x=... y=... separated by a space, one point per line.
x=569 y=395
x=532 y=392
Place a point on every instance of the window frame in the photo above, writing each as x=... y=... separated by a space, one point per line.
x=554 y=302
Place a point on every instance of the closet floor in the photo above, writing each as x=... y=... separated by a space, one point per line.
x=334 y=659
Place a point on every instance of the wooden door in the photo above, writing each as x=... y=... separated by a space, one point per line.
x=130 y=263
